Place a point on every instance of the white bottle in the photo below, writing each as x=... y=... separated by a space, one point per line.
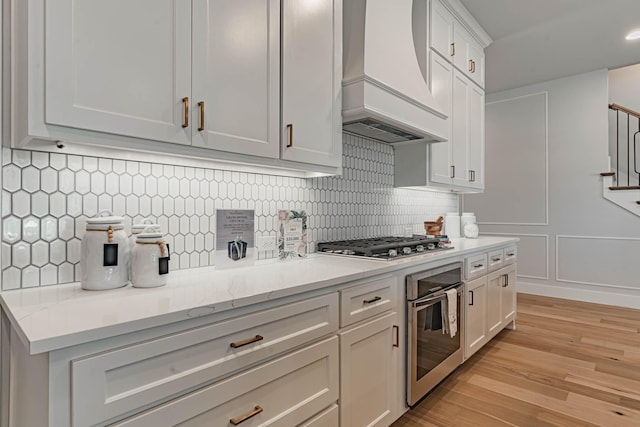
x=452 y=225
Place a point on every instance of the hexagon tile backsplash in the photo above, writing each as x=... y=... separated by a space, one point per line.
x=47 y=197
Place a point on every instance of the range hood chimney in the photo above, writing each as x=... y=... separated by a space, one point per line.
x=385 y=95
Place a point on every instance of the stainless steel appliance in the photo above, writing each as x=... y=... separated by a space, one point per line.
x=432 y=354
x=384 y=248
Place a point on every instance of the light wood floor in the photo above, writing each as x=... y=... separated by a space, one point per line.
x=567 y=364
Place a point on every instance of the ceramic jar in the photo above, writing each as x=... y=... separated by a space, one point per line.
x=452 y=225
x=105 y=253
x=150 y=259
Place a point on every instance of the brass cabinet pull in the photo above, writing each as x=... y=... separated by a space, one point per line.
x=474 y=66
x=290 y=133
x=201 y=107
x=471 y=292
x=472 y=176
x=471 y=65
x=185 y=118
x=496 y=259
x=372 y=300
x=478 y=265
x=246 y=342
x=506 y=280
x=243 y=418
x=396 y=330
x=511 y=254
x=453 y=171
x=453 y=49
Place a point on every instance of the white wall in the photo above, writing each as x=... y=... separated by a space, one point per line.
x=546 y=145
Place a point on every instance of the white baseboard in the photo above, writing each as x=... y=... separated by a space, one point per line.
x=608 y=298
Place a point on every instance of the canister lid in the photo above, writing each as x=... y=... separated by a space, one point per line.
x=150 y=232
x=139 y=228
x=105 y=217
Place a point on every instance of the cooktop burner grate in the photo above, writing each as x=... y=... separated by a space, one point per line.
x=383 y=247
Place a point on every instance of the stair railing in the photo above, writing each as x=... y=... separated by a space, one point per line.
x=631 y=147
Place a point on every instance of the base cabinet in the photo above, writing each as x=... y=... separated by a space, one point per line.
x=475 y=316
x=367 y=374
x=285 y=392
x=501 y=301
x=491 y=298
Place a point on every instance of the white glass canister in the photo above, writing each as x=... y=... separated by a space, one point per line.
x=466 y=218
x=452 y=225
x=150 y=259
x=105 y=253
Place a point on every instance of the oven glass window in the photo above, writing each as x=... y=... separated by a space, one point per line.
x=440 y=281
x=433 y=346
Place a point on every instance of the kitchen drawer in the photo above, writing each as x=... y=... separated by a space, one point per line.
x=363 y=301
x=510 y=254
x=495 y=259
x=328 y=418
x=285 y=392
x=119 y=381
x=475 y=266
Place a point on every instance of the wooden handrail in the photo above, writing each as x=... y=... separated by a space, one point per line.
x=617 y=107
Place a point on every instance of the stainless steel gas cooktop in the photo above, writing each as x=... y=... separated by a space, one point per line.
x=384 y=248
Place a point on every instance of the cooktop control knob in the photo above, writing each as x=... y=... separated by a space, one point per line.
x=406 y=250
x=419 y=248
x=393 y=253
x=431 y=246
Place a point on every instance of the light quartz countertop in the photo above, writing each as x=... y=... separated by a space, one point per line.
x=54 y=317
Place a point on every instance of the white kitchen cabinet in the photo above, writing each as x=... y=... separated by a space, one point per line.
x=196 y=78
x=368 y=356
x=501 y=301
x=284 y=392
x=457 y=164
x=475 y=315
x=493 y=274
x=283 y=357
x=311 y=81
x=236 y=76
x=118 y=73
x=452 y=40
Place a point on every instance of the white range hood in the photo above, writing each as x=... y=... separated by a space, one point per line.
x=385 y=95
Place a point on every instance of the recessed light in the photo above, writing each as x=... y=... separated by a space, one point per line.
x=633 y=36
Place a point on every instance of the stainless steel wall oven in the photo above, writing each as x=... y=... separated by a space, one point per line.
x=432 y=353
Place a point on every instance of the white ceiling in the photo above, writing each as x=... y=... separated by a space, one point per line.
x=540 y=40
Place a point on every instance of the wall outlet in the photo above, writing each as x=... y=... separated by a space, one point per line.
x=266 y=243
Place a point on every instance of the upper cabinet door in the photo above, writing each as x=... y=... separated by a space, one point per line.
x=311 y=81
x=475 y=160
x=236 y=76
x=119 y=66
x=441 y=33
x=441 y=70
x=460 y=131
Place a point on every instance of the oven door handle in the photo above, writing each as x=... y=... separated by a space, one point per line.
x=429 y=300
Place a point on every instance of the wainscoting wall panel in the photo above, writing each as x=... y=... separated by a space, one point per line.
x=601 y=261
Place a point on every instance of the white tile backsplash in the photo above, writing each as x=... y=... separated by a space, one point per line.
x=47 y=198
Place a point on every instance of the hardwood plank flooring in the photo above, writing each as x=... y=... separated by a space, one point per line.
x=568 y=363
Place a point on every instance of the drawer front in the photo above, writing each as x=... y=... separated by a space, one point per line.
x=284 y=392
x=495 y=260
x=363 y=301
x=116 y=382
x=475 y=266
x=328 y=418
x=510 y=254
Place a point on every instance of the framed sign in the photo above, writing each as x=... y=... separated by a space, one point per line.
x=235 y=231
x=292 y=241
